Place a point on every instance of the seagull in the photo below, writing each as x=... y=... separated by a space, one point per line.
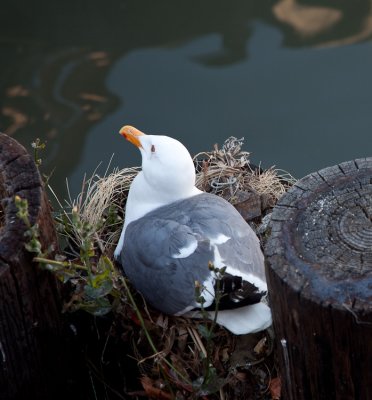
x=186 y=251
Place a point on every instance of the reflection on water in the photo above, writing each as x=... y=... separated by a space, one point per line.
x=72 y=74
x=58 y=98
x=325 y=23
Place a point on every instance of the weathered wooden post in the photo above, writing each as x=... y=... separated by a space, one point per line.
x=319 y=266
x=32 y=358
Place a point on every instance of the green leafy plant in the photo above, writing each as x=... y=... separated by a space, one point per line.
x=95 y=280
x=38 y=145
x=32 y=233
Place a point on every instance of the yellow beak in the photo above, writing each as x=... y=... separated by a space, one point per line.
x=131 y=134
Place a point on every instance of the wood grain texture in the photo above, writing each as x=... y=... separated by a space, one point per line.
x=319 y=268
x=31 y=348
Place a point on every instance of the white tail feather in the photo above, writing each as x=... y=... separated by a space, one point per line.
x=243 y=320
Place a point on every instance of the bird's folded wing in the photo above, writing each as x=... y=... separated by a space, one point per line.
x=163 y=259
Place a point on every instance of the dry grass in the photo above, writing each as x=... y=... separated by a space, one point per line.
x=99 y=197
x=230 y=167
x=243 y=366
x=272 y=181
x=101 y=194
x=104 y=192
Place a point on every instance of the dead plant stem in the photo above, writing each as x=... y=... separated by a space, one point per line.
x=148 y=337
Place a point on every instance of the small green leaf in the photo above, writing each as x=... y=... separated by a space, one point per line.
x=98 y=308
x=33 y=246
x=102 y=290
x=64 y=276
x=200 y=300
x=205 y=332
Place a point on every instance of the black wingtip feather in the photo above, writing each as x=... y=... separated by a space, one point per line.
x=234 y=293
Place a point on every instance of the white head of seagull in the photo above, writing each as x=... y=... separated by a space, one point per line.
x=167 y=166
x=167 y=175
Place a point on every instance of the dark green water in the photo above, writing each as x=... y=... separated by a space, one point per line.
x=292 y=77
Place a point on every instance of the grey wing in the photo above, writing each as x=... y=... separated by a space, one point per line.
x=235 y=247
x=242 y=251
x=163 y=258
x=169 y=249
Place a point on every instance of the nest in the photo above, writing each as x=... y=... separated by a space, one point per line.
x=190 y=364
x=176 y=357
x=228 y=171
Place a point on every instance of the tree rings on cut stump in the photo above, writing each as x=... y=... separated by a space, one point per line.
x=319 y=267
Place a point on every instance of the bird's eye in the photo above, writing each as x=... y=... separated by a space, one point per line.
x=152 y=148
